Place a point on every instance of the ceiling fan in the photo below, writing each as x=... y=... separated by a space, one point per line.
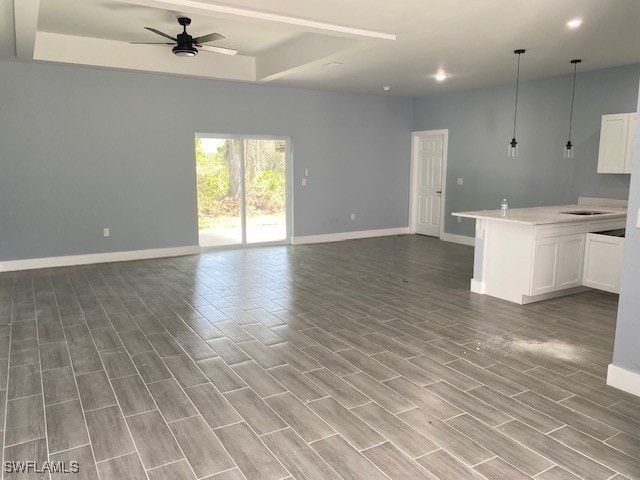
x=185 y=45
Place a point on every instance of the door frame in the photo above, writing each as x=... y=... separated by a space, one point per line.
x=288 y=187
x=413 y=187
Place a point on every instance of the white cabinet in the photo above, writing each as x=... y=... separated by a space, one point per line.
x=524 y=262
x=617 y=136
x=603 y=262
x=557 y=263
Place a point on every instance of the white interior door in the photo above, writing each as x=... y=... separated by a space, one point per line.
x=429 y=172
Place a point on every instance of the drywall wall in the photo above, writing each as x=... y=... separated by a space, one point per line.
x=85 y=148
x=626 y=354
x=480 y=124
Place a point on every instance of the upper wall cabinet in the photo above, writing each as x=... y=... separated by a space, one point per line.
x=617 y=133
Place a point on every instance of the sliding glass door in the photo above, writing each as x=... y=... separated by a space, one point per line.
x=242 y=190
x=265 y=190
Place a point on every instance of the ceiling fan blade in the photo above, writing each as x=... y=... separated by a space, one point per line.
x=208 y=38
x=149 y=43
x=158 y=32
x=224 y=51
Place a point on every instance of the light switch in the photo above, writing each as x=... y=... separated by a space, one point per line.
x=105 y=232
x=304 y=182
x=306 y=172
x=460 y=181
x=638 y=220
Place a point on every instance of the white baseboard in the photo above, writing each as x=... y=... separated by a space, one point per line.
x=461 y=239
x=623 y=379
x=477 y=286
x=339 y=237
x=527 y=299
x=70 y=260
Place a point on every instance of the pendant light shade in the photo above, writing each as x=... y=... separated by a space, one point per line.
x=513 y=144
x=568 y=148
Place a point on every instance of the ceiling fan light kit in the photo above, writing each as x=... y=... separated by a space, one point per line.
x=184 y=51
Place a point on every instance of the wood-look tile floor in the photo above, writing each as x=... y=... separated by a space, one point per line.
x=366 y=359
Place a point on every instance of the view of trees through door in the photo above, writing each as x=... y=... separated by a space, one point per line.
x=241 y=190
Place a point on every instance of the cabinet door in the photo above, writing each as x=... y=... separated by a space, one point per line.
x=545 y=261
x=613 y=143
x=570 y=261
x=631 y=140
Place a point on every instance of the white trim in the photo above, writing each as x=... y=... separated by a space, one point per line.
x=478 y=287
x=195 y=6
x=623 y=379
x=526 y=299
x=461 y=239
x=340 y=237
x=25 y=17
x=69 y=260
x=413 y=177
x=238 y=246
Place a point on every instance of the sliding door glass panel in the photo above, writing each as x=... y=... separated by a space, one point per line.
x=265 y=195
x=219 y=178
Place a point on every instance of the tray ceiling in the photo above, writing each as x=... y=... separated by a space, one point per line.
x=400 y=44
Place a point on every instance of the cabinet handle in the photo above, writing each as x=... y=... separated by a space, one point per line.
x=439 y=191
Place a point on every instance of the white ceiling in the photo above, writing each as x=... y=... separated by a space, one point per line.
x=287 y=42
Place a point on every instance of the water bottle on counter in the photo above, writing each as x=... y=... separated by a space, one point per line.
x=504 y=205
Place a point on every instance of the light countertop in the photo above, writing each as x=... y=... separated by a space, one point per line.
x=546 y=215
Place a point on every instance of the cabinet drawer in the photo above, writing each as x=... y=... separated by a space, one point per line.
x=604 y=225
x=560 y=229
x=574 y=228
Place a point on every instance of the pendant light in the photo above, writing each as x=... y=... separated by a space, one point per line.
x=568 y=148
x=513 y=144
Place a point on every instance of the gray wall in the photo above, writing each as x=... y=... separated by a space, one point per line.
x=83 y=148
x=626 y=352
x=480 y=124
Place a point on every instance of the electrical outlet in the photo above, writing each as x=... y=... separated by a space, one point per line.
x=353 y=216
x=459 y=219
x=105 y=232
x=304 y=182
x=460 y=181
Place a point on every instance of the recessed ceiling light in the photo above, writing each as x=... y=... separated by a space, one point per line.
x=441 y=76
x=332 y=64
x=386 y=88
x=575 y=23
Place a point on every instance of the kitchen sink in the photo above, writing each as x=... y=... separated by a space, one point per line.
x=585 y=212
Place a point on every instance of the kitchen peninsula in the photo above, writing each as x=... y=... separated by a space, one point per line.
x=524 y=255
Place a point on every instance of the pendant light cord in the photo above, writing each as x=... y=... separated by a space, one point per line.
x=515 y=113
x=573 y=94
